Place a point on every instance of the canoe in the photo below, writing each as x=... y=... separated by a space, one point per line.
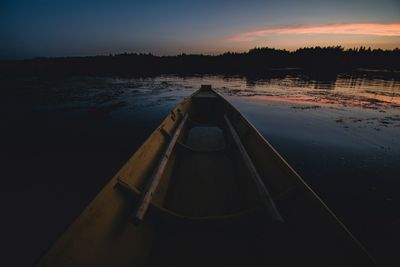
x=206 y=189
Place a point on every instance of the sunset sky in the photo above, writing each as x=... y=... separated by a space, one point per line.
x=76 y=28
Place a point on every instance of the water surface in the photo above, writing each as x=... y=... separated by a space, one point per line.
x=64 y=139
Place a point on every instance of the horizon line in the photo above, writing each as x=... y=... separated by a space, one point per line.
x=202 y=54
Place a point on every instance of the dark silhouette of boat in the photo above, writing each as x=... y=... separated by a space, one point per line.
x=206 y=189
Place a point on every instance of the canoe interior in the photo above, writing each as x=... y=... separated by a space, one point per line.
x=206 y=210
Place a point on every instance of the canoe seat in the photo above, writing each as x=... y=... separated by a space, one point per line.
x=205 y=138
x=157 y=212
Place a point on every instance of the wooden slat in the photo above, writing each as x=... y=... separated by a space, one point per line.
x=262 y=190
x=151 y=186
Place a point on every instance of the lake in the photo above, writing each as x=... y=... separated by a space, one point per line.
x=63 y=139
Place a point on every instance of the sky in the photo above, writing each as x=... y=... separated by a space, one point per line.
x=89 y=27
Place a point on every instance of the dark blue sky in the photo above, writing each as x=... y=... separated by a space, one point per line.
x=67 y=28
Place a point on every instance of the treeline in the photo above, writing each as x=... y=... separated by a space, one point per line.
x=257 y=61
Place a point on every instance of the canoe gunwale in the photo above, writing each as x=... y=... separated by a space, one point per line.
x=239 y=115
x=262 y=190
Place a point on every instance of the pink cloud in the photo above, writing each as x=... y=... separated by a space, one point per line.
x=352 y=29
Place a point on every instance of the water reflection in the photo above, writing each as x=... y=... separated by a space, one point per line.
x=115 y=93
x=343 y=90
x=325 y=85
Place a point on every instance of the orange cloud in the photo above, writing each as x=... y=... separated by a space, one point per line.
x=352 y=29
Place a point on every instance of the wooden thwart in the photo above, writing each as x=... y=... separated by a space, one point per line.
x=262 y=190
x=151 y=186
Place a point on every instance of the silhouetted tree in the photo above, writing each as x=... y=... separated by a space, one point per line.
x=257 y=61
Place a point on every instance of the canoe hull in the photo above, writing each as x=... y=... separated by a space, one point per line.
x=205 y=210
